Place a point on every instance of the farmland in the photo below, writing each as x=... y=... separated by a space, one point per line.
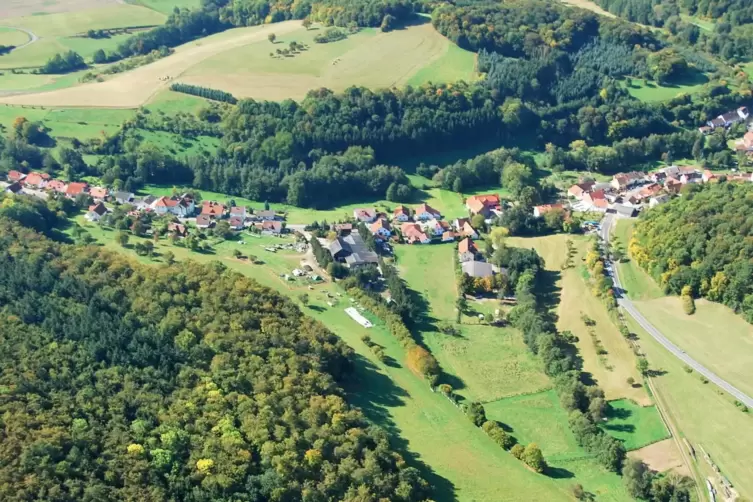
x=637 y=426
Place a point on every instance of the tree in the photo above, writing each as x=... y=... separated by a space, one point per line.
x=389 y=23
x=138 y=228
x=476 y=413
x=516 y=176
x=517 y=451
x=122 y=238
x=533 y=457
x=637 y=478
x=478 y=222
x=272 y=37
x=306 y=23
x=169 y=257
x=642 y=365
x=304 y=299
x=99 y=57
x=237 y=253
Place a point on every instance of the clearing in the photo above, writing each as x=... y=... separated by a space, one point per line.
x=637 y=283
x=651 y=91
x=636 y=426
x=241 y=57
x=661 y=456
x=611 y=370
x=57 y=32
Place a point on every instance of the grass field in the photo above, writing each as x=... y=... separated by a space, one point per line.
x=638 y=284
x=56 y=32
x=656 y=92
x=609 y=371
x=704 y=414
x=463 y=463
x=488 y=363
x=369 y=58
x=20 y=8
x=636 y=426
x=167 y=6
x=78 y=123
x=12 y=36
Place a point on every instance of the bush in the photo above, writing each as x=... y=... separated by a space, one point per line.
x=498 y=435
x=517 y=451
x=476 y=413
x=330 y=35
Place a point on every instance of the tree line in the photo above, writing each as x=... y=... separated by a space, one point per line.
x=63 y=63
x=128 y=382
x=204 y=92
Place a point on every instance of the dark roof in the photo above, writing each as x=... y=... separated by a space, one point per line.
x=731 y=117
x=354 y=248
x=123 y=196
x=624 y=210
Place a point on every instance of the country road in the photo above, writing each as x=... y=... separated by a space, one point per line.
x=32 y=36
x=628 y=306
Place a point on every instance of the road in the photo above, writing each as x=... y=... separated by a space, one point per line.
x=32 y=36
x=628 y=307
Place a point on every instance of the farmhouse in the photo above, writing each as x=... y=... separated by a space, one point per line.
x=123 y=197
x=203 y=221
x=177 y=229
x=381 y=228
x=543 y=209
x=265 y=215
x=56 y=186
x=15 y=176
x=99 y=194
x=412 y=233
x=365 y=214
x=579 y=190
x=435 y=227
x=425 y=212
x=464 y=228
x=401 y=214
x=36 y=180
x=236 y=223
x=623 y=181
x=485 y=205
x=269 y=227
x=352 y=251
x=467 y=250
x=179 y=206
x=75 y=189
x=96 y=212
x=239 y=211
x=729 y=118
x=212 y=209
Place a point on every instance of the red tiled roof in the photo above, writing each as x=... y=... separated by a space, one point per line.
x=98 y=192
x=425 y=208
x=466 y=245
x=401 y=210
x=211 y=208
x=75 y=188
x=165 y=202
x=545 y=208
x=15 y=175
x=57 y=185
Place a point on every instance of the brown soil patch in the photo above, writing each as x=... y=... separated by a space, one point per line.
x=20 y=8
x=588 y=5
x=662 y=456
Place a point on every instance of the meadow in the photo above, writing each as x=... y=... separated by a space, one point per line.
x=57 y=32
x=652 y=91
x=68 y=123
x=636 y=426
x=166 y=7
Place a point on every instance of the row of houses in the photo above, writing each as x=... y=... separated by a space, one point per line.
x=726 y=120
x=37 y=181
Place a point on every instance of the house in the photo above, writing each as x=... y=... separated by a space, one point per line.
x=672 y=185
x=401 y=214
x=96 y=212
x=239 y=211
x=269 y=227
x=485 y=205
x=477 y=268
x=623 y=181
x=179 y=206
x=624 y=211
x=15 y=176
x=123 y=197
x=177 y=229
x=352 y=251
x=365 y=214
x=745 y=144
x=466 y=230
x=467 y=250
x=56 y=186
x=425 y=212
x=649 y=191
x=729 y=118
x=708 y=176
x=14 y=187
x=343 y=228
x=381 y=228
x=204 y=221
x=657 y=200
x=593 y=197
x=412 y=233
x=75 y=189
x=705 y=130
x=99 y=194
x=580 y=189
x=543 y=209
x=236 y=223
x=448 y=236
x=144 y=203
x=212 y=209
x=265 y=215
x=36 y=180
x=436 y=227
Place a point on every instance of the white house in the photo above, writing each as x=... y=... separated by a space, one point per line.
x=381 y=228
x=179 y=206
x=96 y=212
x=365 y=214
x=425 y=212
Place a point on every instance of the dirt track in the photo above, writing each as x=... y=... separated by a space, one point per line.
x=134 y=88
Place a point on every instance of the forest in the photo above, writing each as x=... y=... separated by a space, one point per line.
x=701 y=241
x=122 y=382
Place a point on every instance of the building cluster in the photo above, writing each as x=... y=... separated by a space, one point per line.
x=472 y=262
x=42 y=184
x=726 y=120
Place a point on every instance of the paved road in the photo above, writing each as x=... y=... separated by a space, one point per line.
x=628 y=306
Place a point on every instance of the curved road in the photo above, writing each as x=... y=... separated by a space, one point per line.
x=628 y=306
x=32 y=36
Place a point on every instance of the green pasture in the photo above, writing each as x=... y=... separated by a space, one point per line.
x=636 y=426
x=12 y=37
x=638 y=284
x=452 y=66
x=170 y=103
x=167 y=7
x=652 y=91
x=81 y=123
x=176 y=144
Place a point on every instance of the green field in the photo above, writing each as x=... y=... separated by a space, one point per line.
x=426 y=428
x=638 y=284
x=170 y=103
x=12 y=37
x=57 y=32
x=416 y=54
x=81 y=123
x=490 y=362
x=636 y=426
x=704 y=414
x=656 y=92
x=166 y=7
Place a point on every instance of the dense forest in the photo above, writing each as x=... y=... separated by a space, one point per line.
x=192 y=383
x=730 y=38
x=702 y=241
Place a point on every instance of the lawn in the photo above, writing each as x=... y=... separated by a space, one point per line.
x=611 y=370
x=638 y=284
x=656 y=92
x=704 y=414
x=170 y=103
x=458 y=459
x=636 y=426
x=56 y=32
x=166 y=7
x=415 y=55
x=486 y=362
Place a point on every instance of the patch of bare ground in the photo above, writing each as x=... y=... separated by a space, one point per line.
x=662 y=456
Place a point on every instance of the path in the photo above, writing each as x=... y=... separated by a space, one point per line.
x=32 y=36
x=628 y=306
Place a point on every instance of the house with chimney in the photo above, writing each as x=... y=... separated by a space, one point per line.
x=36 y=181
x=414 y=234
x=74 y=189
x=14 y=176
x=57 y=186
x=182 y=206
x=214 y=210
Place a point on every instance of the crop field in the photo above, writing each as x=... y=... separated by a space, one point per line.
x=636 y=426
x=427 y=429
x=417 y=54
x=705 y=415
x=611 y=370
x=488 y=362
x=57 y=32
x=238 y=61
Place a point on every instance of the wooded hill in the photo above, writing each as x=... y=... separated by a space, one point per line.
x=122 y=382
x=702 y=241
